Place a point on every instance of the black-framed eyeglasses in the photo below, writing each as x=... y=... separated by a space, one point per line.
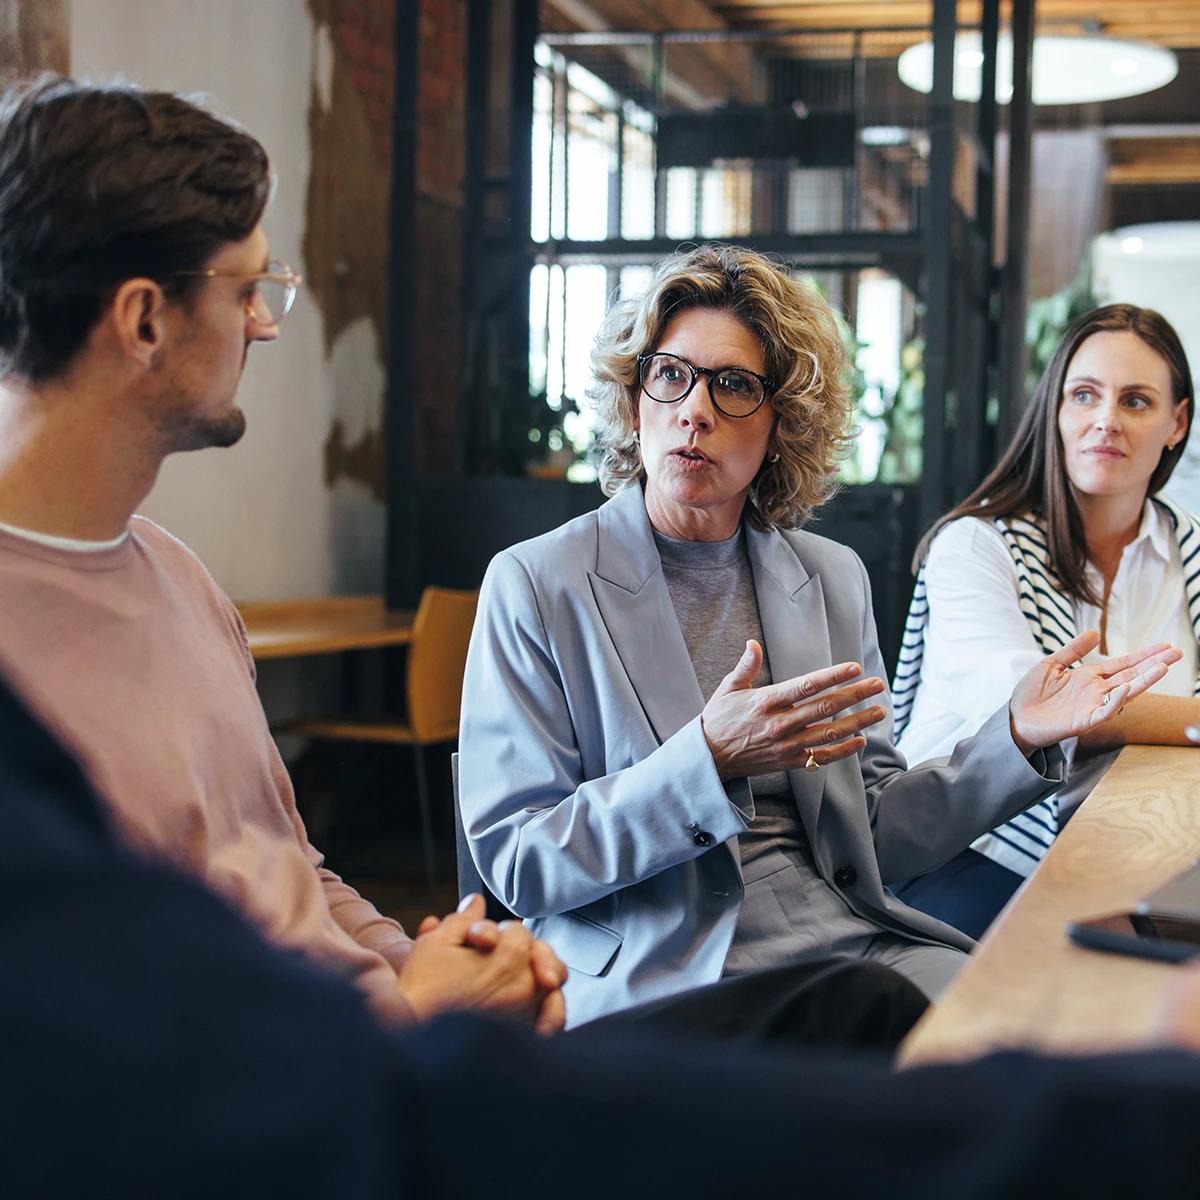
x=273 y=294
x=735 y=391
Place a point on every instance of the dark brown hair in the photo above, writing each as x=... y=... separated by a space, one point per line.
x=1032 y=475
x=103 y=184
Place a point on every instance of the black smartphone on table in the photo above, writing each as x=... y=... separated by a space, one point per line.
x=1165 y=926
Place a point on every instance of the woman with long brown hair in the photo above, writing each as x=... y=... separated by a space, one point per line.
x=1067 y=533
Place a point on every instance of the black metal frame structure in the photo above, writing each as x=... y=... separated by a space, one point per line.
x=401 y=585
x=1013 y=354
x=973 y=366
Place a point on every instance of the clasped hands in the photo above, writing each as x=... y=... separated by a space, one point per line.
x=752 y=731
x=465 y=961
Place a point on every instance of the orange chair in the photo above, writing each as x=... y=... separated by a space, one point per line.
x=437 y=656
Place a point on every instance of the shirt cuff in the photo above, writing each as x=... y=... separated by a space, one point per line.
x=741 y=796
x=1050 y=763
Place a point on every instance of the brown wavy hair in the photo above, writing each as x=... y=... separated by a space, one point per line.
x=103 y=184
x=1031 y=478
x=803 y=350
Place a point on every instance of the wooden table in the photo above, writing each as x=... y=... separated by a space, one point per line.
x=286 y=628
x=1027 y=985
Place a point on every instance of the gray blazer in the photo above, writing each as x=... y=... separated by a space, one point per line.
x=590 y=797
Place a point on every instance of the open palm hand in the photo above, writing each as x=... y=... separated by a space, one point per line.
x=1056 y=701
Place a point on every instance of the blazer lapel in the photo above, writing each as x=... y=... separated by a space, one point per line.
x=791 y=606
x=636 y=607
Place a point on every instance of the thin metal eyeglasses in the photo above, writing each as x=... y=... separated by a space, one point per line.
x=274 y=289
x=734 y=391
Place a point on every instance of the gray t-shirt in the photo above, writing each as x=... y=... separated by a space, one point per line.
x=789 y=913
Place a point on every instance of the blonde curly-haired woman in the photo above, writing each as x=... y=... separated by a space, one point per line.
x=676 y=754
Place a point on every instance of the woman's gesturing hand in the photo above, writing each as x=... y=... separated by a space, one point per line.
x=1054 y=702
x=752 y=731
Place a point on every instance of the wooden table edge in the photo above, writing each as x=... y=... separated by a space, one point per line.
x=323 y=625
x=295 y=645
x=1131 y=808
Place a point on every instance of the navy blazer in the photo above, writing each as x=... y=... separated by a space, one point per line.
x=588 y=792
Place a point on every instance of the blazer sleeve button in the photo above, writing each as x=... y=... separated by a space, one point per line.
x=845 y=876
x=702 y=838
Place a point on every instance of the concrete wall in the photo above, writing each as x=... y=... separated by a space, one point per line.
x=260 y=515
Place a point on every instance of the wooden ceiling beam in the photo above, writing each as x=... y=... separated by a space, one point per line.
x=734 y=6
x=657 y=14
x=1136 y=28
x=1151 y=173
x=897 y=12
x=1182 y=148
x=1171 y=23
x=1106 y=10
x=833 y=13
x=869 y=10
x=842 y=46
x=1153 y=160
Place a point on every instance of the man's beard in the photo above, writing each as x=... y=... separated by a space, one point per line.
x=203 y=433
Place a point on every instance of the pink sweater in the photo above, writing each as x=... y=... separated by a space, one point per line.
x=140 y=663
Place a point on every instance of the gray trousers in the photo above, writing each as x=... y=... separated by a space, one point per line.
x=931 y=968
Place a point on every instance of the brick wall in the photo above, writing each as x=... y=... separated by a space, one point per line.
x=346 y=243
x=441 y=161
x=364 y=31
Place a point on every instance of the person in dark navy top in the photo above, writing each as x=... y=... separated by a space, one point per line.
x=221 y=1065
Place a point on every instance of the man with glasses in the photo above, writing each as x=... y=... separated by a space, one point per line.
x=134 y=276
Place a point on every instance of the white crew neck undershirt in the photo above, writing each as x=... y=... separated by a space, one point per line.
x=62 y=543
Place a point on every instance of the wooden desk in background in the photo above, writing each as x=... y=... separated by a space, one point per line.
x=1027 y=985
x=290 y=628
x=287 y=628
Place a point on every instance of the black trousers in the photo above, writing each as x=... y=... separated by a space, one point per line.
x=834 y=1003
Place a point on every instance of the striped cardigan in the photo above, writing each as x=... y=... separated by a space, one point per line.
x=1021 y=843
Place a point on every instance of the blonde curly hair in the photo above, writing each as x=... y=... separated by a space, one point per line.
x=803 y=351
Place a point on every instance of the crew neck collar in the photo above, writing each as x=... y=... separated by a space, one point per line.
x=72 y=545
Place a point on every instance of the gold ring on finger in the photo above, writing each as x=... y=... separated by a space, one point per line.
x=812 y=764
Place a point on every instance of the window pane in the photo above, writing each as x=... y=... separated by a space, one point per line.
x=586 y=298
x=543 y=106
x=634 y=280
x=637 y=199
x=816 y=200
x=681 y=202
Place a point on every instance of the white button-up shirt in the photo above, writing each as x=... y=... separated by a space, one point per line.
x=978 y=644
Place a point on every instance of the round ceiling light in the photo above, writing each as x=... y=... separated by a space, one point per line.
x=1162 y=241
x=1066 y=70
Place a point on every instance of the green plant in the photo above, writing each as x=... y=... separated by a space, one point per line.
x=901 y=416
x=528 y=436
x=901 y=460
